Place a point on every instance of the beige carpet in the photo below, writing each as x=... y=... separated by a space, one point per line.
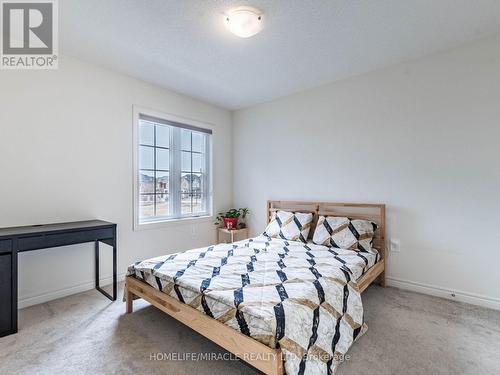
x=408 y=333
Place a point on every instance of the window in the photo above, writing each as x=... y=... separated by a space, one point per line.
x=172 y=169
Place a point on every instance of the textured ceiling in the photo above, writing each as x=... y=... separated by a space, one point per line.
x=183 y=44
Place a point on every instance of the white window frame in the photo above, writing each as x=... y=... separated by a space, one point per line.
x=166 y=221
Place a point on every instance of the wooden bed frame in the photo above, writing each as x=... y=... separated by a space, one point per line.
x=262 y=357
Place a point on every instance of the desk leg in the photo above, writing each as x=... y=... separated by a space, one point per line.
x=14 y=296
x=114 y=267
x=96 y=254
x=97 y=286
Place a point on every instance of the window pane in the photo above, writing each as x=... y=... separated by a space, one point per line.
x=196 y=183
x=163 y=136
x=185 y=161
x=162 y=159
x=198 y=142
x=186 y=183
x=162 y=182
x=146 y=181
x=197 y=202
x=186 y=204
x=162 y=205
x=146 y=206
x=198 y=163
x=146 y=133
x=146 y=158
x=186 y=140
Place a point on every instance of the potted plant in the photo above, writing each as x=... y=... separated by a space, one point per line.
x=231 y=217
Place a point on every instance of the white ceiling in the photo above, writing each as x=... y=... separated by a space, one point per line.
x=183 y=44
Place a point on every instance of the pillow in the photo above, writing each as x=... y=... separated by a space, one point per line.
x=345 y=233
x=293 y=226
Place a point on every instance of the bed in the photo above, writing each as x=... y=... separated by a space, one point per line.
x=280 y=305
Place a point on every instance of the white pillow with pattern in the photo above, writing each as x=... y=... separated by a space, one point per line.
x=293 y=226
x=345 y=233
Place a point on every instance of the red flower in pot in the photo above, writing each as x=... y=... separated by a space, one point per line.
x=231 y=222
x=230 y=218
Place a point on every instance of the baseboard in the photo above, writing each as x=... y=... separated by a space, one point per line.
x=55 y=294
x=474 y=299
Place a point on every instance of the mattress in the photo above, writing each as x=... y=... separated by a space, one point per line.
x=298 y=296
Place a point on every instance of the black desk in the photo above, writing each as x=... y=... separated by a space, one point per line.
x=19 y=239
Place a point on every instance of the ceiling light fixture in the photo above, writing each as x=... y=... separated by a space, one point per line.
x=244 y=21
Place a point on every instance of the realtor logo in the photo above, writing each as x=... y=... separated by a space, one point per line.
x=29 y=34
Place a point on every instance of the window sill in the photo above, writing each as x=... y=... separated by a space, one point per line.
x=173 y=222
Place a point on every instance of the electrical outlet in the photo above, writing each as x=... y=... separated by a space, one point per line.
x=395 y=245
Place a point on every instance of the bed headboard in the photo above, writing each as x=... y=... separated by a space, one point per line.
x=367 y=211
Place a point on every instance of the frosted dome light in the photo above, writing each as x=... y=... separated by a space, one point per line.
x=244 y=21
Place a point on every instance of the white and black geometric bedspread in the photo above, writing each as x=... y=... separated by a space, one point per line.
x=298 y=296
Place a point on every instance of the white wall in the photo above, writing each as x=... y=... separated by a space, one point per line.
x=422 y=137
x=66 y=154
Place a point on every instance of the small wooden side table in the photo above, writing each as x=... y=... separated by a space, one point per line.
x=225 y=235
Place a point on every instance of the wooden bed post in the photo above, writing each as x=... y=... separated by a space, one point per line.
x=268 y=212
x=382 y=248
x=280 y=363
x=129 y=299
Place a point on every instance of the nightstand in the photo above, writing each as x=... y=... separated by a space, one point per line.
x=225 y=235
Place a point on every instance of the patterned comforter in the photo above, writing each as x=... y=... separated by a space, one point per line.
x=302 y=298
